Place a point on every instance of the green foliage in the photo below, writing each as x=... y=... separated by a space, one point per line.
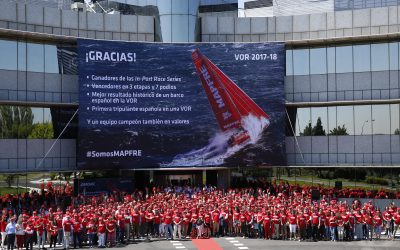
x=15 y=121
x=397 y=131
x=340 y=130
x=307 y=130
x=377 y=180
x=42 y=131
x=317 y=130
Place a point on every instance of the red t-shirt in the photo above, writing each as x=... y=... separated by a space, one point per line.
x=167 y=219
x=67 y=226
x=101 y=228
x=292 y=220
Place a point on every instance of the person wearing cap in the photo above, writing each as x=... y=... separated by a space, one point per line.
x=11 y=230
x=3 y=225
x=101 y=233
x=67 y=228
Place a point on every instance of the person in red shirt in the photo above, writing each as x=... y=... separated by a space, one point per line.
x=128 y=223
x=396 y=218
x=53 y=231
x=156 y=223
x=332 y=220
x=40 y=228
x=185 y=223
x=302 y=224
x=101 y=233
x=77 y=232
x=135 y=223
x=378 y=222
x=277 y=223
x=236 y=222
x=67 y=228
x=369 y=222
x=177 y=219
x=168 y=225
x=29 y=231
x=3 y=225
x=111 y=231
x=315 y=225
x=292 y=225
x=215 y=222
x=267 y=226
x=91 y=231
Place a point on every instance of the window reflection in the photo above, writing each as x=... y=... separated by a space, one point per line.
x=394 y=119
x=332 y=128
x=181 y=34
x=318 y=61
x=303 y=122
x=380 y=57
x=380 y=124
x=362 y=120
x=331 y=60
x=8 y=52
x=319 y=121
x=289 y=62
x=362 y=58
x=21 y=122
x=394 y=56
x=51 y=60
x=301 y=62
x=344 y=59
x=21 y=56
x=35 y=56
x=345 y=119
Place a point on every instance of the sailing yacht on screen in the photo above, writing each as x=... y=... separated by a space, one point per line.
x=231 y=105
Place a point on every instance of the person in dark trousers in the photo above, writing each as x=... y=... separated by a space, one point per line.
x=11 y=229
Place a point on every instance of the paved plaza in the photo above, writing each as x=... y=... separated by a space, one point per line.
x=239 y=243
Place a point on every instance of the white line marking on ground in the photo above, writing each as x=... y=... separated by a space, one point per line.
x=229 y=238
x=243 y=247
x=234 y=241
x=180 y=247
x=238 y=244
x=177 y=244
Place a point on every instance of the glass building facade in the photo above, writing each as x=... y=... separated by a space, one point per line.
x=343 y=108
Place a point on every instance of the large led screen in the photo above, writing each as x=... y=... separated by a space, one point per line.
x=153 y=105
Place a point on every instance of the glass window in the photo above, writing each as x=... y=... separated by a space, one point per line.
x=166 y=29
x=362 y=120
x=395 y=119
x=180 y=34
x=192 y=36
x=164 y=6
x=8 y=55
x=35 y=55
x=380 y=115
x=333 y=130
x=319 y=119
x=380 y=56
x=394 y=56
x=303 y=122
x=318 y=61
x=180 y=7
x=22 y=56
x=331 y=60
x=344 y=59
x=301 y=62
x=345 y=119
x=362 y=56
x=289 y=62
x=50 y=59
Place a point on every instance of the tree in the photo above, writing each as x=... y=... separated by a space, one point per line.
x=340 y=130
x=15 y=121
x=307 y=130
x=318 y=129
x=397 y=131
x=42 y=131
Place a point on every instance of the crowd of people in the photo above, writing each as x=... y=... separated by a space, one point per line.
x=277 y=211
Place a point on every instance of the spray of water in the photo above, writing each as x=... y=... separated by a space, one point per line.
x=218 y=149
